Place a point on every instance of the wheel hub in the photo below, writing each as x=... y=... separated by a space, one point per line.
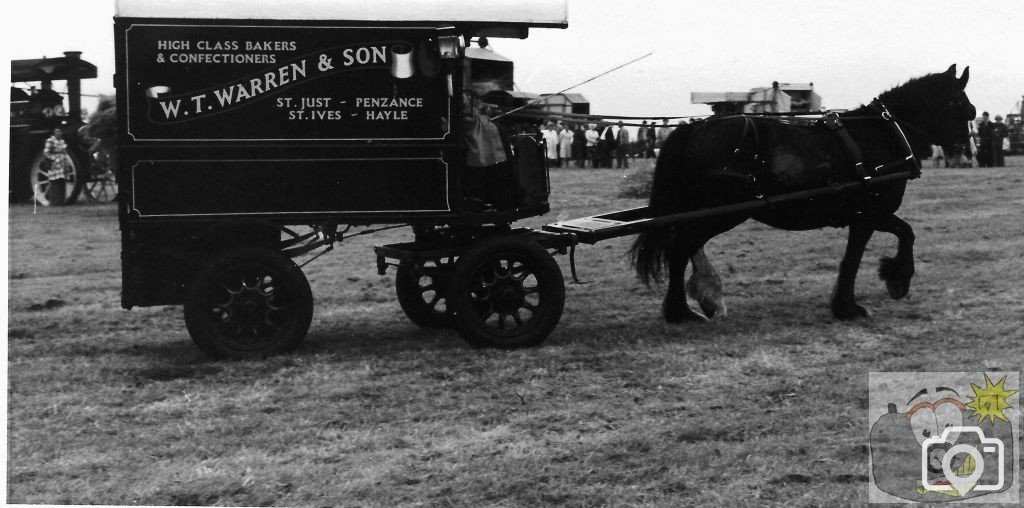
x=502 y=290
x=249 y=308
x=249 y=311
x=509 y=297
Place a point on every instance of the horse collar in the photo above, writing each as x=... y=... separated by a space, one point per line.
x=878 y=104
x=897 y=123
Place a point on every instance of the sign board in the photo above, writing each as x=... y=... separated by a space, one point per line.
x=284 y=83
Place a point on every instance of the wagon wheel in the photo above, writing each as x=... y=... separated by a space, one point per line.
x=102 y=184
x=41 y=183
x=422 y=288
x=101 y=189
x=506 y=292
x=249 y=303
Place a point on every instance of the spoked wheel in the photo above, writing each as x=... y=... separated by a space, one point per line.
x=422 y=288
x=506 y=292
x=102 y=184
x=41 y=183
x=101 y=188
x=249 y=303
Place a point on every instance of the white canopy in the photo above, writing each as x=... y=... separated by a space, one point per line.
x=538 y=13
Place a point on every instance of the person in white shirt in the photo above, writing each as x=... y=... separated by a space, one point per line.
x=550 y=136
x=592 y=138
x=564 y=145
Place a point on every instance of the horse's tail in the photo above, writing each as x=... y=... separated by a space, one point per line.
x=650 y=251
x=648 y=254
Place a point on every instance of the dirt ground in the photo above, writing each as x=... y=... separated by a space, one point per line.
x=766 y=406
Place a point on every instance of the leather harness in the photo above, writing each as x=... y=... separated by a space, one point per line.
x=829 y=120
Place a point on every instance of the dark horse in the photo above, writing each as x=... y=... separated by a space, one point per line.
x=742 y=159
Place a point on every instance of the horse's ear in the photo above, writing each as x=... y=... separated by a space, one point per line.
x=965 y=76
x=951 y=70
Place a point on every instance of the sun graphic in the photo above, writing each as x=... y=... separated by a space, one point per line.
x=989 y=402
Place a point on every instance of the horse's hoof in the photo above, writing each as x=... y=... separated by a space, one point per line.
x=682 y=315
x=897 y=289
x=896 y=275
x=713 y=308
x=849 y=312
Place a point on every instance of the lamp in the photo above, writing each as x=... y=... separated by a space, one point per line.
x=449 y=47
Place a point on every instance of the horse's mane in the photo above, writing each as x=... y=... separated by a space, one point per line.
x=915 y=100
x=930 y=87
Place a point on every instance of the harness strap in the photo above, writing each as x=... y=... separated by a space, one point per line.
x=833 y=123
x=749 y=127
x=915 y=171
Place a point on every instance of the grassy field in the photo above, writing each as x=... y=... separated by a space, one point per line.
x=766 y=406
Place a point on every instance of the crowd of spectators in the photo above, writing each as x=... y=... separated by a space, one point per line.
x=602 y=144
x=985 y=146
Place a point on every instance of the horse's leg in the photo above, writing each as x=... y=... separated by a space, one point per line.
x=674 y=308
x=688 y=244
x=897 y=271
x=844 y=304
x=705 y=285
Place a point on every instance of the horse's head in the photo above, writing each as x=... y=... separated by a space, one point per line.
x=934 y=107
x=954 y=108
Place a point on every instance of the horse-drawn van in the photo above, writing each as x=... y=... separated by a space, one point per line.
x=252 y=133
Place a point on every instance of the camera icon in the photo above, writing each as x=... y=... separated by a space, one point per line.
x=940 y=454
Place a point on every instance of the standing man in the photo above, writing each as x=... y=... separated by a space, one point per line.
x=984 y=141
x=579 y=145
x=652 y=138
x=606 y=146
x=46 y=102
x=999 y=133
x=663 y=132
x=622 y=148
x=641 y=140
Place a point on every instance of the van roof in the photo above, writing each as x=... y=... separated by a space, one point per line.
x=524 y=13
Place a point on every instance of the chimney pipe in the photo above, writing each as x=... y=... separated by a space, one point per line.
x=74 y=86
